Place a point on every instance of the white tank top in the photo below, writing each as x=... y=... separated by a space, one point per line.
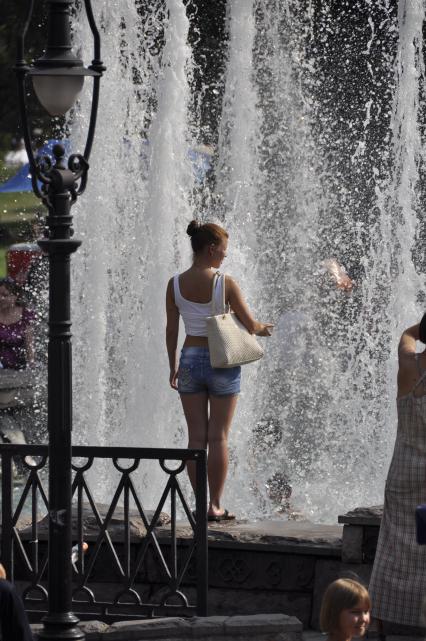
x=194 y=314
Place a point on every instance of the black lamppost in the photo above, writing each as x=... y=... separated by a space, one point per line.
x=57 y=79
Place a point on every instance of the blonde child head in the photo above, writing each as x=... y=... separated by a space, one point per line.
x=345 y=595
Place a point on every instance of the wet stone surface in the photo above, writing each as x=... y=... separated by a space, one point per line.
x=258 y=627
x=91 y=527
x=363 y=516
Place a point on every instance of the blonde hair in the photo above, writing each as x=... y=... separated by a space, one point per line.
x=341 y=595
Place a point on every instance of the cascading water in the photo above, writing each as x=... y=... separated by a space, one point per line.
x=309 y=166
x=132 y=239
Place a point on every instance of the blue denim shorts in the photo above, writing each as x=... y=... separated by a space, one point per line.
x=197 y=375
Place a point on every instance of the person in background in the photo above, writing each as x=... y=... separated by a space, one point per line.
x=16 y=353
x=13 y=618
x=398 y=580
x=345 y=610
x=16 y=334
x=36 y=291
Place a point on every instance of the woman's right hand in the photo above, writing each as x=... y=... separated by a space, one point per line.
x=173 y=378
x=263 y=329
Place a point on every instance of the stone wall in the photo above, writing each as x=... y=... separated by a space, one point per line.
x=261 y=568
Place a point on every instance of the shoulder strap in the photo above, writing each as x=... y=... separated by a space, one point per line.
x=176 y=288
x=214 y=285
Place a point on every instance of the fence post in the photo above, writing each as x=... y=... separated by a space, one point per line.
x=201 y=533
x=6 y=514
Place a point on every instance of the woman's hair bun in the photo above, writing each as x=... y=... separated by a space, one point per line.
x=193 y=227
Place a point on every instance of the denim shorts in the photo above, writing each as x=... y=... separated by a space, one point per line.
x=197 y=375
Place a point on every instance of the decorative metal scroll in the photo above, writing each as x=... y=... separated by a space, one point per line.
x=161 y=571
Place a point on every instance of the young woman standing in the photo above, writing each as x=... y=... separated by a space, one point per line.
x=209 y=395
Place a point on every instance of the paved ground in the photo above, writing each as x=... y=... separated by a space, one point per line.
x=313 y=635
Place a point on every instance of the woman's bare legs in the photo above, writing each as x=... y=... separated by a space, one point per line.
x=195 y=408
x=222 y=410
x=212 y=431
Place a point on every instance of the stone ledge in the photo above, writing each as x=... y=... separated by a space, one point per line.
x=301 y=537
x=258 y=627
x=353 y=538
x=363 y=516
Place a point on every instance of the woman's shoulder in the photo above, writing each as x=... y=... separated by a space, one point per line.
x=170 y=288
x=226 y=276
x=230 y=282
x=178 y=275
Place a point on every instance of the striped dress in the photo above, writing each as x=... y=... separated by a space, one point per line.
x=398 y=581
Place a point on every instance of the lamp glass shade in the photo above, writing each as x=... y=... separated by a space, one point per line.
x=57 y=94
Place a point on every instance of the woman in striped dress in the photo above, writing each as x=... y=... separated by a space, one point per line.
x=398 y=582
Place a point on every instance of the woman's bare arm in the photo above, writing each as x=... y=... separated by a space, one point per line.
x=407 y=370
x=172 y=333
x=236 y=300
x=407 y=343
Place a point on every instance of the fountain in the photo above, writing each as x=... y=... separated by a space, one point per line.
x=318 y=156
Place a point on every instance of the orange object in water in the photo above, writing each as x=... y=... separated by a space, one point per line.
x=18 y=260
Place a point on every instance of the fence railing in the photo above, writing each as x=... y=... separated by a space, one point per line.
x=121 y=575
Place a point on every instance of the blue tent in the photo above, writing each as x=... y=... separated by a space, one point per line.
x=22 y=180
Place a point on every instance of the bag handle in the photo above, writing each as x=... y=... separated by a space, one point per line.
x=215 y=280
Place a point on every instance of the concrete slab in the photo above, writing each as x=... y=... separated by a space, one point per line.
x=302 y=537
x=363 y=516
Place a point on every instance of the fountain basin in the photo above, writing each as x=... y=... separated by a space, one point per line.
x=261 y=567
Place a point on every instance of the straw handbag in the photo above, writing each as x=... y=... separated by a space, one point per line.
x=230 y=344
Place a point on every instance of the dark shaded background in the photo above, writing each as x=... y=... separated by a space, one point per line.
x=208 y=37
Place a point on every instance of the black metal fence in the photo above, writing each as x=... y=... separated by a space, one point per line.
x=160 y=570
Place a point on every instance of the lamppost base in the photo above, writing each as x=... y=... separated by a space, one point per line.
x=58 y=627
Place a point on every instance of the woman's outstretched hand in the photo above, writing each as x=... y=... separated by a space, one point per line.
x=173 y=378
x=338 y=274
x=264 y=329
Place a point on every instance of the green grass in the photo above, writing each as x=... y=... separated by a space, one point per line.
x=17 y=213
x=5 y=172
x=19 y=206
x=3 y=251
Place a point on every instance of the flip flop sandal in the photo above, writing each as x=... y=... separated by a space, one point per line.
x=226 y=516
